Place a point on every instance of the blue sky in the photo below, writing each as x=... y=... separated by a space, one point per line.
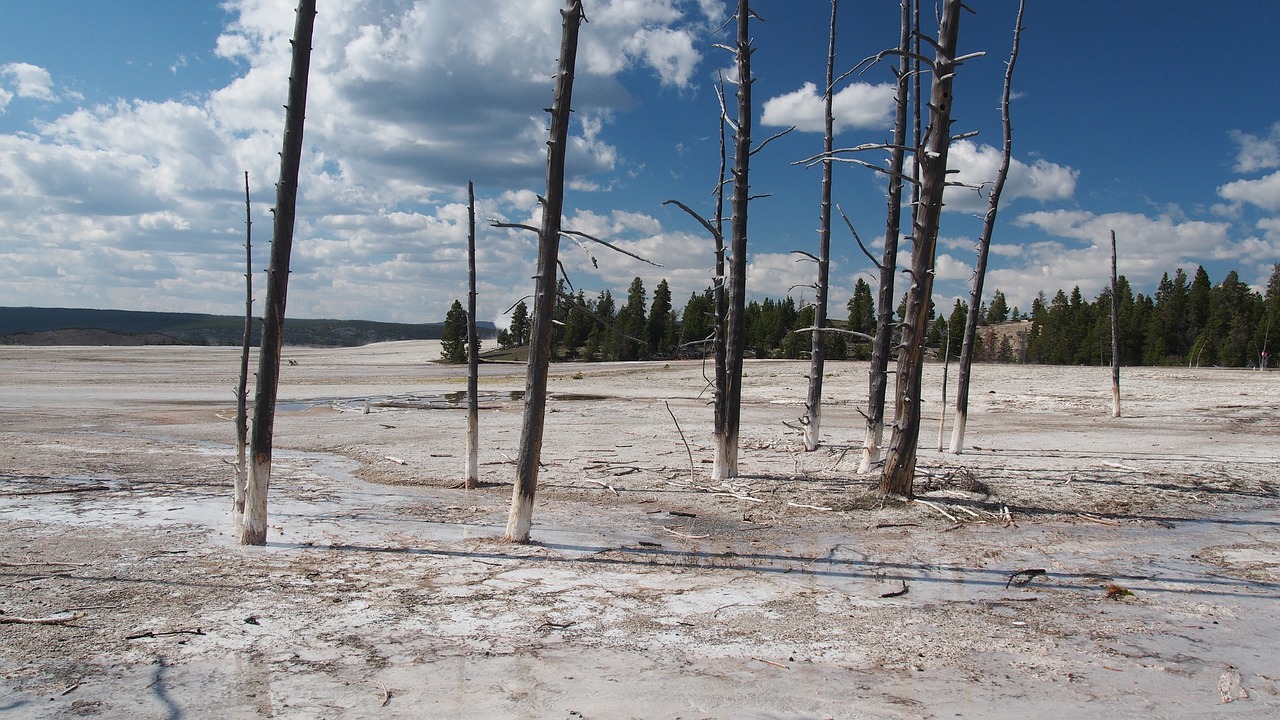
x=125 y=129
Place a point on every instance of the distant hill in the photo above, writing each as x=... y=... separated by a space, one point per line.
x=72 y=326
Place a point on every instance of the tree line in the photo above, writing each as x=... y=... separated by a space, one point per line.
x=1186 y=320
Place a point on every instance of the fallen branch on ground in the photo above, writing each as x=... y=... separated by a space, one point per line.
x=687 y=449
x=936 y=508
x=896 y=593
x=1096 y=519
x=685 y=535
x=55 y=491
x=42 y=564
x=811 y=507
x=386 y=694
x=153 y=634
x=737 y=496
x=1022 y=577
x=602 y=484
x=61 y=619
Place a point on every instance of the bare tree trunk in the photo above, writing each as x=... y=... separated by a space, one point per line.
x=242 y=413
x=984 y=247
x=720 y=296
x=544 y=302
x=254 y=531
x=473 y=351
x=942 y=414
x=881 y=348
x=1115 y=332
x=900 y=464
x=726 y=457
x=812 y=420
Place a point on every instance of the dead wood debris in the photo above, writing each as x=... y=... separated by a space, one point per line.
x=897 y=593
x=957 y=479
x=1022 y=577
x=56 y=491
x=153 y=634
x=685 y=535
x=60 y=619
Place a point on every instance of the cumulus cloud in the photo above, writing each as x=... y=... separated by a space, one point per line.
x=30 y=81
x=1078 y=247
x=1257 y=152
x=858 y=105
x=408 y=100
x=1263 y=192
x=978 y=165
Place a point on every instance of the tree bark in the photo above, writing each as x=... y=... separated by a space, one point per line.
x=520 y=518
x=900 y=464
x=812 y=420
x=254 y=531
x=720 y=296
x=1115 y=332
x=968 y=348
x=882 y=346
x=242 y=391
x=726 y=459
x=473 y=351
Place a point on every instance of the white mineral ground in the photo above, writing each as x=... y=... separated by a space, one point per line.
x=650 y=591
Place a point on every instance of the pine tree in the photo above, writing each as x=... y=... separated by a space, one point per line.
x=661 y=323
x=519 y=332
x=862 y=308
x=453 y=339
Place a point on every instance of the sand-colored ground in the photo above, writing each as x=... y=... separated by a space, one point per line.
x=651 y=591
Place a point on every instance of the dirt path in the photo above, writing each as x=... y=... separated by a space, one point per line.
x=650 y=592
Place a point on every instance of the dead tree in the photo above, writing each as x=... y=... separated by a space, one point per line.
x=881 y=347
x=900 y=464
x=473 y=350
x=544 y=302
x=1115 y=332
x=254 y=531
x=716 y=228
x=812 y=419
x=969 y=345
x=242 y=392
x=725 y=464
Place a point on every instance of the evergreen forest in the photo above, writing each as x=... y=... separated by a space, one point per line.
x=1183 y=321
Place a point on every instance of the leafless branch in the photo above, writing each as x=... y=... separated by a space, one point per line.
x=771 y=138
x=863 y=247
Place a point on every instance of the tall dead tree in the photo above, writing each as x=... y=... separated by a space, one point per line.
x=242 y=392
x=716 y=228
x=725 y=464
x=544 y=302
x=969 y=345
x=882 y=346
x=473 y=350
x=254 y=531
x=812 y=419
x=900 y=464
x=1115 y=332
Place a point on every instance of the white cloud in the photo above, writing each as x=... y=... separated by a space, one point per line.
x=408 y=99
x=1257 y=152
x=858 y=105
x=1147 y=247
x=5 y=97
x=1263 y=192
x=979 y=164
x=31 y=81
